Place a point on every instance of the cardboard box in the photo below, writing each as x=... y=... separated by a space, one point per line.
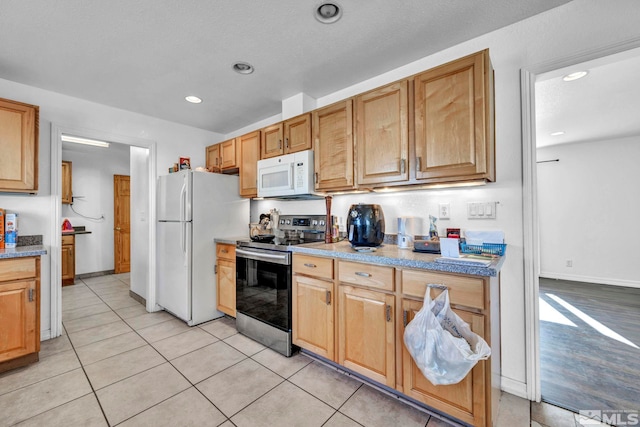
x=2 y=213
x=11 y=230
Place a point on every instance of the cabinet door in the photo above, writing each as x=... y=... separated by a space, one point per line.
x=313 y=314
x=19 y=141
x=226 y=286
x=249 y=146
x=68 y=264
x=297 y=134
x=271 y=142
x=228 y=154
x=333 y=146
x=454 y=120
x=366 y=341
x=382 y=134
x=18 y=319
x=213 y=158
x=465 y=400
x=67 y=183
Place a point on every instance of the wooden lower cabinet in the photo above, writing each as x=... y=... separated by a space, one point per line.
x=313 y=313
x=465 y=400
x=226 y=278
x=68 y=260
x=19 y=312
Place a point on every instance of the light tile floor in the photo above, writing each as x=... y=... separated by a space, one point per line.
x=117 y=364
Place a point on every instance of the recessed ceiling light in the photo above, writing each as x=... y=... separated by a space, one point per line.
x=243 y=68
x=575 y=76
x=193 y=99
x=557 y=133
x=85 y=141
x=328 y=13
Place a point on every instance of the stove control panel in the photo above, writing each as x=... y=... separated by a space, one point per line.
x=309 y=223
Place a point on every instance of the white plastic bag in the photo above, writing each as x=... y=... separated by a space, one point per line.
x=441 y=343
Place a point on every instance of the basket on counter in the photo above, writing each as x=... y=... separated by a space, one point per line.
x=484 y=249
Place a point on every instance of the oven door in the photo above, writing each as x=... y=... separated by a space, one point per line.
x=263 y=286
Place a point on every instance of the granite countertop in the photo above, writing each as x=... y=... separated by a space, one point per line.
x=230 y=240
x=23 y=251
x=393 y=256
x=76 y=230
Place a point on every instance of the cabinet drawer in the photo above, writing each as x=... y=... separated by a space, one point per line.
x=313 y=266
x=366 y=275
x=68 y=240
x=225 y=251
x=17 y=268
x=466 y=291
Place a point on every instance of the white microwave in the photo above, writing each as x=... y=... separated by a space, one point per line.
x=288 y=177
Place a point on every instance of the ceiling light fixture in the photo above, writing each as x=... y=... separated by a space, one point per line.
x=560 y=132
x=328 y=13
x=193 y=99
x=85 y=141
x=243 y=68
x=575 y=76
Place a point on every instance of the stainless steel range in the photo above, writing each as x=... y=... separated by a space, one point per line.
x=263 y=281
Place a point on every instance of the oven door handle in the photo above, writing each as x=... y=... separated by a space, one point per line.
x=261 y=256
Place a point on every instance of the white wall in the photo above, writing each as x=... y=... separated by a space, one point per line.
x=547 y=37
x=139 y=220
x=588 y=205
x=92 y=182
x=173 y=140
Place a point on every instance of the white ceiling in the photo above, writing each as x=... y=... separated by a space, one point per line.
x=605 y=104
x=147 y=55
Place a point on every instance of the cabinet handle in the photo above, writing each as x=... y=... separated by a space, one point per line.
x=388 y=310
x=224 y=251
x=316 y=177
x=402 y=166
x=363 y=274
x=30 y=294
x=279 y=144
x=405 y=317
x=286 y=143
x=328 y=298
x=70 y=252
x=310 y=265
x=419 y=163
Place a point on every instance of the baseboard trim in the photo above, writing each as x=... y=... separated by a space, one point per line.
x=45 y=335
x=94 y=274
x=517 y=388
x=590 y=279
x=138 y=298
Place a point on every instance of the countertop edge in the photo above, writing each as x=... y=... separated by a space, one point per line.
x=22 y=251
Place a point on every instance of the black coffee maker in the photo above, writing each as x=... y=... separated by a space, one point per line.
x=365 y=225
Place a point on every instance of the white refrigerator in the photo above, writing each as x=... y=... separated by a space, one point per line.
x=194 y=208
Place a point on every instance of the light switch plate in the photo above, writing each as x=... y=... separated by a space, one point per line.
x=481 y=210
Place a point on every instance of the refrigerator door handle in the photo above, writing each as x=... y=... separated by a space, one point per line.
x=183 y=202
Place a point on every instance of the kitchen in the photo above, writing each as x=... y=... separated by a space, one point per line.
x=511 y=48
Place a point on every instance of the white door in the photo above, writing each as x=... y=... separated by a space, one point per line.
x=174 y=268
x=174 y=196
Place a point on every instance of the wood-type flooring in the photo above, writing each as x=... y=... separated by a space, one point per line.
x=581 y=367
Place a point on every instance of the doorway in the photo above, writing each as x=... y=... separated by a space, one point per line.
x=570 y=289
x=143 y=171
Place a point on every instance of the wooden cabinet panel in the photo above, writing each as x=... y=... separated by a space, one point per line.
x=213 y=158
x=68 y=260
x=271 y=141
x=19 y=140
x=463 y=290
x=313 y=315
x=225 y=251
x=229 y=155
x=297 y=134
x=67 y=183
x=375 y=276
x=19 y=312
x=454 y=120
x=465 y=400
x=226 y=286
x=249 y=146
x=366 y=342
x=382 y=134
x=313 y=266
x=333 y=146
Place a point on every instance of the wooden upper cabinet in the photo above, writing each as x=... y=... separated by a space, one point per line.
x=286 y=137
x=333 y=146
x=249 y=148
x=67 y=183
x=213 y=158
x=229 y=155
x=19 y=141
x=454 y=121
x=382 y=134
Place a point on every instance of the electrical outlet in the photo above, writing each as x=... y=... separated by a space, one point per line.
x=445 y=211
